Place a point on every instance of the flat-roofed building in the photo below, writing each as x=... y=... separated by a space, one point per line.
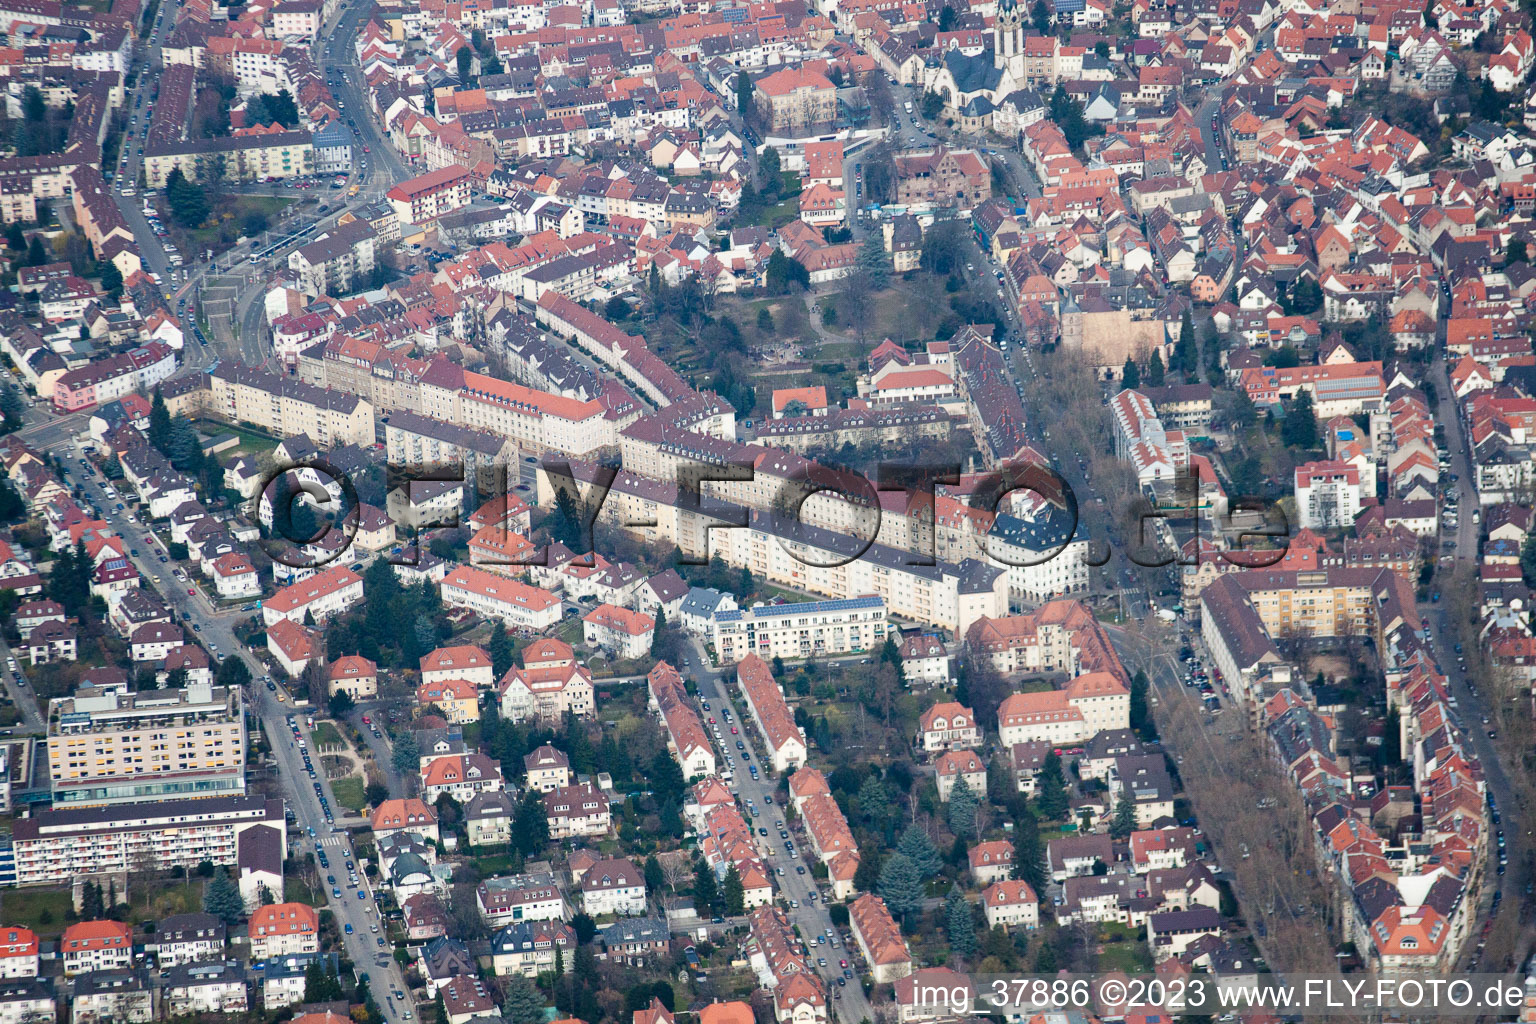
x=123 y=748
x=806 y=629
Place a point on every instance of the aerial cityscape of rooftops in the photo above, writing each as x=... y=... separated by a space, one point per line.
x=731 y=512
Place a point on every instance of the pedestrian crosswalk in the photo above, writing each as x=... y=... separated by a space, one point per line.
x=333 y=841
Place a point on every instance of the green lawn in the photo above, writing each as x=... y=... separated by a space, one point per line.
x=230 y=217
x=42 y=910
x=166 y=899
x=494 y=864
x=251 y=442
x=570 y=631
x=1130 y=956
x=326 y=738
x=349 y=792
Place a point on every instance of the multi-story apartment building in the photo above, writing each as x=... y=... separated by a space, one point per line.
x=107 y=380
x=1328 y=494
x=414 y=440
x=795 y=101
x=55 y=846
x=879 y=938
x=623 y=632
x=529 y=948
x=548 y=690
x=206 y=987
x=771 y=714
x=338 y=262
x=808 y=558
x=495 y=596
x=537 y=421
x=328 y=593
x=287 y=407
x=23 y=1000
x=525 y=897
x=113 y=997
x=1243 y=613
x=827 y=829
x=238 y=158
x=1046 y=555
x=579 y=810
x=686 y=738
x=284 y=929
x=125 y=748
x=18 y=953
x=96 y=946
x=423 y=199
x=461 y=661
x=809 y=629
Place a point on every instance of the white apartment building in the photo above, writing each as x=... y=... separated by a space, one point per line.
x=623 y=632
x=807 y=629
x=56 y=846
x=1046 y=556
x=331 y=591
x=18 y=953
x=613 y=886
x=284 y=929
x=495 y=596
x=91 y=946
x=1011 y=903
x=1328 y=494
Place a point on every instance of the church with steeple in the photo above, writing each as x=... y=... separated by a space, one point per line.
x=975 y=85
x=1008 y=40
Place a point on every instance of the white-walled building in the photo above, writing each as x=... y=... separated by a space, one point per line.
x=1328 y=494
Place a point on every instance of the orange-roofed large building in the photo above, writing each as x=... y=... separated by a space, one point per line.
x=832 y=841
x=408 y=815
x=623 y=632
x=1011 y=903
x=1059 y=636
x=804 y=784
x=458 y=699
x=771 y=714
x=327 y=593
x=96 y=946
x=18 y=953
x=1407 y=941
x=800 y=999
x=1090 y=704
x=686 y=739
x=811 y=401
x=795 y=101
x=548 y=691
x=726 y=1013
x=284 y=929
x=952 y=766
x=461 y=661
x=495 y=596
x=355 y=675
x=879 y=939
x=945 y=725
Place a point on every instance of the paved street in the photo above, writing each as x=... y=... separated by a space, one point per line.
x=848 y=1004
x=214 y=626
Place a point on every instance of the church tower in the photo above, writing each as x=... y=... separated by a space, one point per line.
x=1008 y=39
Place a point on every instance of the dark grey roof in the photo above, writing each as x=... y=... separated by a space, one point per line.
x=973 y=74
